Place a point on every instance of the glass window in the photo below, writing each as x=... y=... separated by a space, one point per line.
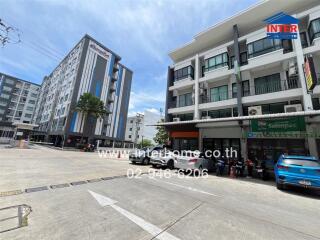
x=185 y=100
x=183 y=73
x=215 y=62
x=263 y=46
x=314 y=29
x=267 y=84
x=219 y=93
x=221 y=113
x=245 y=89
x=303 y=38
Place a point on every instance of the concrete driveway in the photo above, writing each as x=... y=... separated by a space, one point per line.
x=153 y=207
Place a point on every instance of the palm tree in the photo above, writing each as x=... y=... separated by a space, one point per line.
x=90 y=105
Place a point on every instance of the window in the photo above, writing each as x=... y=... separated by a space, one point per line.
x=287 y=45
x=183 y=73
x=245 y=89
x=185 y=117
x=3 y=103
x=129 y=136
x=1 y=111
x=221 y=113
x=27 y=115
x=263 y=46
x=30 y=108
x=6 y=96
x=267 y=84
x=9 y=81
x=273 y=108
x=8 y=89
x=185 y=100
x=34 y=95
x=314 y=29
x=215 y=62
x=131 y=121
x=243 y=60
x=303 y=38
x=219 y=93
x=130 y=129
x=32 y=101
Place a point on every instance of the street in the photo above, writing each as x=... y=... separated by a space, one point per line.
x=144 y=206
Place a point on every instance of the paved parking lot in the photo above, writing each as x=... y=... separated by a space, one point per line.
x=148 y=207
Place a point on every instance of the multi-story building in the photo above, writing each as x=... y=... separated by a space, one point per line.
x=17 y=102
x=141 y=127
x=92 y=68
x=210 y=103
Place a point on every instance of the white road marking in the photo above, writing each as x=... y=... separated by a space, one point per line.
x=148 y=227
x=189 y=188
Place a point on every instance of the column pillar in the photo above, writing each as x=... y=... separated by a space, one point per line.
x=311 y=141
x=307 y=101
x=196 y=87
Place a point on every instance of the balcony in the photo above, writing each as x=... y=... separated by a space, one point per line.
x=174 y=108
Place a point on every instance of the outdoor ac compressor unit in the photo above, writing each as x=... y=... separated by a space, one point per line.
x=255 y=110
x=176 y=119
x=293 y=108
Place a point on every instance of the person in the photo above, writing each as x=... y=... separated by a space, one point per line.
x=249 y=164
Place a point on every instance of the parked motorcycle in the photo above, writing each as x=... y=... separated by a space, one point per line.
x=239 y=168
x=220 y=167
x=262 y=171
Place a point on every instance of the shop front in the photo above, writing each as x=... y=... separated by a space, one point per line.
x=269 y=138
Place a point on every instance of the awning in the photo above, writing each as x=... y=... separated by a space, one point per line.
x=242 y=118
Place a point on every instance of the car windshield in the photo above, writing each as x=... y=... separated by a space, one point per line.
x=301 y=162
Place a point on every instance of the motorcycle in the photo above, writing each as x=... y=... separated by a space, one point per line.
x=220 y=167
x=239 y=168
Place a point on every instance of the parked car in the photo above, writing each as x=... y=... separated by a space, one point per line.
x=164 y=158
x=302 y=171
x=143 y=155
x=189 y=160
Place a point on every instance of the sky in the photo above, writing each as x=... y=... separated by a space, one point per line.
x=142 y=32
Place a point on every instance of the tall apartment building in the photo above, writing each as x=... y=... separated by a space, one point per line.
x=17 y=102
x=89 y=67
x=204 y=108
x=141 y=127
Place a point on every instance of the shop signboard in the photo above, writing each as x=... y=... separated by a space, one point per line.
x=293 y=124
x=310 y=74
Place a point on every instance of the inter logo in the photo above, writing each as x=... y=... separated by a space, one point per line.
x=282 y=26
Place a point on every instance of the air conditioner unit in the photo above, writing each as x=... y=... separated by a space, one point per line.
x=255 y=110
x=293 y=108
x=206 y=117
x=176 y=119
x=201 y=91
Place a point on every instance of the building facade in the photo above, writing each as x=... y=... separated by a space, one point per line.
x=232 y=71
x=142 y=126
x=17 y=103
x=92 y=68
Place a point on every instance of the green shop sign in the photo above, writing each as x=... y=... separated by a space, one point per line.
x=293 y=124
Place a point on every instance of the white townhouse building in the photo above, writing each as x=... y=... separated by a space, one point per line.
x=141 y=127
x=17 y=103
x=89 y=67
x=262 y=106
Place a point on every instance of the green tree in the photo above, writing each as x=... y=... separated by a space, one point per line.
x=162 y=136
x=145 y=143
x=90 y=106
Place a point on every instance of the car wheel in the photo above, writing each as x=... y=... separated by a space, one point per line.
x=280 y=186
x=145 y=161
x=133 y=162
x=154 y=165
x=170 y=164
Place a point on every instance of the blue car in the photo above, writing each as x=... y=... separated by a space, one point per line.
x=300 y=171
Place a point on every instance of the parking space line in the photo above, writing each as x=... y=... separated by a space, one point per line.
x=188 y=188
x=155 y=231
